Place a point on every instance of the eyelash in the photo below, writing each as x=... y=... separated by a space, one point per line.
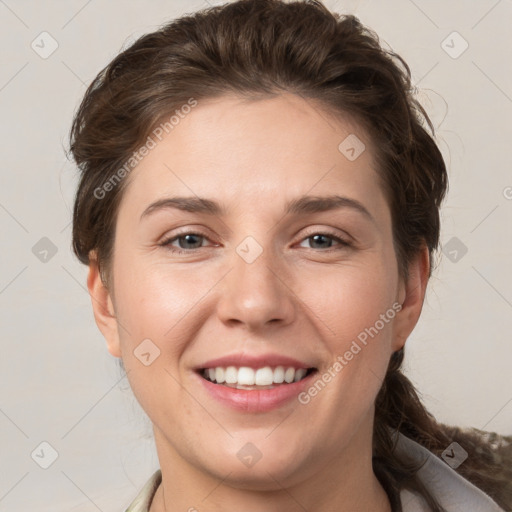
x=167 y=243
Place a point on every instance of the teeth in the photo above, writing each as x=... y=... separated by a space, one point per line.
x=299 y=374
x=220 y=375
x=245 y=376
x=289 y=375
x=264 y=376
x=231 y=375
x=279 y=375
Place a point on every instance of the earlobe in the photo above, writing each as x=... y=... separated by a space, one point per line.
x=103 y=308
x=412 y=295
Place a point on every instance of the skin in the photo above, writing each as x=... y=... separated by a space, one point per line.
x=300 y=298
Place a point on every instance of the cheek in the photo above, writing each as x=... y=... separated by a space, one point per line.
x=160 y=302
x=348 y=299
x=153 y=304
x=354 y=306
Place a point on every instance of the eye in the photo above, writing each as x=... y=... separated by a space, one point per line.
x=190 y=241
x=324 y=240
x=187 y=242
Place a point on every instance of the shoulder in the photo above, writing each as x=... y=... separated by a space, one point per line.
x=454 y=493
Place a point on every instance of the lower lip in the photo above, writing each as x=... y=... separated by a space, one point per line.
x=256 y=400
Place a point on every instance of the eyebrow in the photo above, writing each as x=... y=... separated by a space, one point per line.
x=298 y=206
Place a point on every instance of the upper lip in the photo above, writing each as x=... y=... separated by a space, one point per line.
x=254 y=361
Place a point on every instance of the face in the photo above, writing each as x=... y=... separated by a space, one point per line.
x=278 y=257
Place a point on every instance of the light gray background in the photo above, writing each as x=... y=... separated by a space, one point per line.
x=59 y=383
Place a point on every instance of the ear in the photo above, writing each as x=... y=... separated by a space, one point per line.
x=103 y=307
x=411 y=297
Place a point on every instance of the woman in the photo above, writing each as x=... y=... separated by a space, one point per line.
x=284 y=144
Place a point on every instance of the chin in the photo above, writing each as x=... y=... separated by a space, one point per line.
x=248 y=469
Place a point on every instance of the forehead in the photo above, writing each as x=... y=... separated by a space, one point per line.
x=258 y=153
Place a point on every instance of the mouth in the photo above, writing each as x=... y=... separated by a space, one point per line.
x=254 y=379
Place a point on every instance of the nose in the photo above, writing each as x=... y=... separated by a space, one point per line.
x=256 y=294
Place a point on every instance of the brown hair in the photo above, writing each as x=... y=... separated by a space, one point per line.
x=261 y=48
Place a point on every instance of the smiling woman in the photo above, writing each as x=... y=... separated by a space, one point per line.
x=260 y=259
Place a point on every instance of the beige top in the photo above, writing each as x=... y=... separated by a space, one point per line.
x=454 y=493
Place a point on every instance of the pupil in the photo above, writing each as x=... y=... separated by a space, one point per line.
x=315 y=238
x=187 y=240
